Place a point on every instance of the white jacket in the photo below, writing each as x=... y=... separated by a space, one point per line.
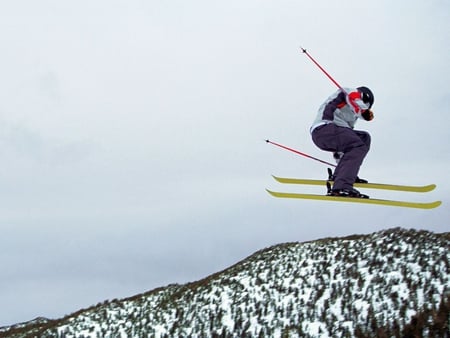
x=342 y=108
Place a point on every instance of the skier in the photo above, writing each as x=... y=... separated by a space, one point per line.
x=333 y=131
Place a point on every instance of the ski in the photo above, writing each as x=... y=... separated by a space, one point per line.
x=396 y=187
x=394 y=203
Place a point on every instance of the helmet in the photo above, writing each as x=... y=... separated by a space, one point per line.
x=367 y=95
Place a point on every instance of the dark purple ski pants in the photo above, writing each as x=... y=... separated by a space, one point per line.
x=355 y=145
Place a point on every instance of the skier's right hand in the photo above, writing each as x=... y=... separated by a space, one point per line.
x=367 y=115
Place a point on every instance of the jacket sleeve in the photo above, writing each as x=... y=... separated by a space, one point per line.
x=328 y=112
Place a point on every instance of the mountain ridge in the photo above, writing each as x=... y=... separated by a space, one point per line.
x=335 y=286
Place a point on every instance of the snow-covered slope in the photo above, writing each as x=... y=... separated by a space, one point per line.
x=336 y=287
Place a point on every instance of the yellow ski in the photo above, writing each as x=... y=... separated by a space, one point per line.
x=417 y=205
x=396 y=187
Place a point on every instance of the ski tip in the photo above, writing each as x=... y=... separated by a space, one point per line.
x=435 y=204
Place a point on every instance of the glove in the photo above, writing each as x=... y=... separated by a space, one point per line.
x=367 y=115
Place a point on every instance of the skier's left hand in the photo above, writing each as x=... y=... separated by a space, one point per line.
x=367 y=115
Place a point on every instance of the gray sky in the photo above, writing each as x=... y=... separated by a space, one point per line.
x=132 y=135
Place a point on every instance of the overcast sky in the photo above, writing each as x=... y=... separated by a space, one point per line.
x=132 y=132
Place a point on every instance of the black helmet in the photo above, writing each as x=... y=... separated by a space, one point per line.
x=367 y=95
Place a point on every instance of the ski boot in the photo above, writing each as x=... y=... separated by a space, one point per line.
x=357 y=180
x=346 y=193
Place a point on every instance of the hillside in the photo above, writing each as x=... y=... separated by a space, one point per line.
x=358 y=286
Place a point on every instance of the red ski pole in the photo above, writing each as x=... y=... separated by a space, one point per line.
x=323 y=70
x=300 y=153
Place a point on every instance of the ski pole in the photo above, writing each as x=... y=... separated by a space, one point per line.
x=300 y=153
x=323 y=70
